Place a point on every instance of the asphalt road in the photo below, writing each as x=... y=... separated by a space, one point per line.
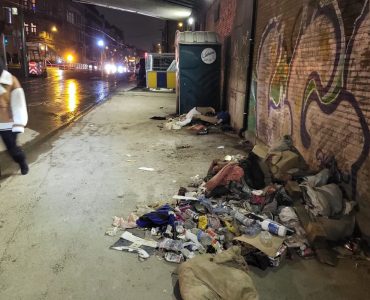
x=63 y=95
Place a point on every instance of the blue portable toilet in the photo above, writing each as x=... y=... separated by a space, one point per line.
x=198 y=56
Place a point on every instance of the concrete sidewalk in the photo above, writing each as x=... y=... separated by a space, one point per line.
x=52 y=221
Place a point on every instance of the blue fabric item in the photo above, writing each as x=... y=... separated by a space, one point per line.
x=224 y=116
x=161 y=217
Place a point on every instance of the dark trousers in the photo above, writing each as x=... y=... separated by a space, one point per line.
x=10 y=141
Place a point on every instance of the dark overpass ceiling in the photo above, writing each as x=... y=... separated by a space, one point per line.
x=186 y=3
x=163 y=9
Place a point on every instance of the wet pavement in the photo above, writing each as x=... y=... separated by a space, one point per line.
x=58 y=99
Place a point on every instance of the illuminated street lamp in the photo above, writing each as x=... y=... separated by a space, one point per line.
x=70 y=58
x=180 y=24
x=191 y=21
x=101 y=43
x=54 y=29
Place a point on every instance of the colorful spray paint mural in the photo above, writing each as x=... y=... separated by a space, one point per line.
x=312 y=80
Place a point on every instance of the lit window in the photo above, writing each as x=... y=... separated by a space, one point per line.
x=70 y=17
x=33 y=28
x=27 y=28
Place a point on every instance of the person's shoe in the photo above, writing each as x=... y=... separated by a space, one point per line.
x=24 y=168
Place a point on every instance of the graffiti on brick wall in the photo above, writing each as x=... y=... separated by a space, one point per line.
x=320 y=92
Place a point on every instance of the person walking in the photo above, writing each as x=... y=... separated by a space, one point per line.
x=13 y=114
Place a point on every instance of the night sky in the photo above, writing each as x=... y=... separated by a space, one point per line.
x=140 y=31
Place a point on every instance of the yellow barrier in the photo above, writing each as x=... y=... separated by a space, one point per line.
x=161 y=79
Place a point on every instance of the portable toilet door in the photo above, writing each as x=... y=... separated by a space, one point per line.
x=199 y=61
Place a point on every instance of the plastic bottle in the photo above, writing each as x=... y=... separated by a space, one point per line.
x=266 y=238
x=202 y=237
x=192 y=237
x=273 y=227
x=202 y=222
x=242 y=218
x=168 y=232
x=179 y=227
x=251 y=230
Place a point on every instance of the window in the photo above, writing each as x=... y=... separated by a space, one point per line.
x=26 y=28
x=70 y=17
x=78 y=19
x=33 y=29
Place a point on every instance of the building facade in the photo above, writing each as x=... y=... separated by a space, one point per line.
x=57 y=29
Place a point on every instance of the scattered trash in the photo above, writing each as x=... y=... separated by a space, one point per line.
x=257 y=208
x=124 y=224
x=183 y=146
x=172 y=257
x=112 y=231
x=196 y=181
x=158 y=118
x=146 y=169
x=142 y=253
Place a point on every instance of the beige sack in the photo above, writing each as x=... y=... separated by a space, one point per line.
x=219 y=277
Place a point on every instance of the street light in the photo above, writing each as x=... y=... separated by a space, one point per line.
x=54 y=29
x=180 y=24
x=101 y=43
x=191 y=21
x=69 y=58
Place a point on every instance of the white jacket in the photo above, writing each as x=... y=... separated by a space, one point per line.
x=13 y=108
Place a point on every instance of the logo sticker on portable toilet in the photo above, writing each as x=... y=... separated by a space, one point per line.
x=208 y=56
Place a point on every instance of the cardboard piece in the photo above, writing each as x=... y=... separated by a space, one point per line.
x=205 y=109
x=256 y=243
x=261 y=150
x=282 y=162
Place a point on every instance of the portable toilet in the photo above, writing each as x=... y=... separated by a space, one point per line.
x=198 y=56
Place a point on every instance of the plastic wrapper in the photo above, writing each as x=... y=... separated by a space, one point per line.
x=170 y=245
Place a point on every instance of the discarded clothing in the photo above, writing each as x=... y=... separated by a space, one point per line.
x=161 y=217
x=231 y=172
x=319 y=179
x=223 y=117
x=223 y=276
x=325 y=201
x=254 y=176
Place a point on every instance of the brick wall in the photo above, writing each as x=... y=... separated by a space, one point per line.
x=231 y=19
x=312 y=80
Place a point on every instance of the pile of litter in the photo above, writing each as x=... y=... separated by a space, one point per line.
x=199 y=119
x=259 y=208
